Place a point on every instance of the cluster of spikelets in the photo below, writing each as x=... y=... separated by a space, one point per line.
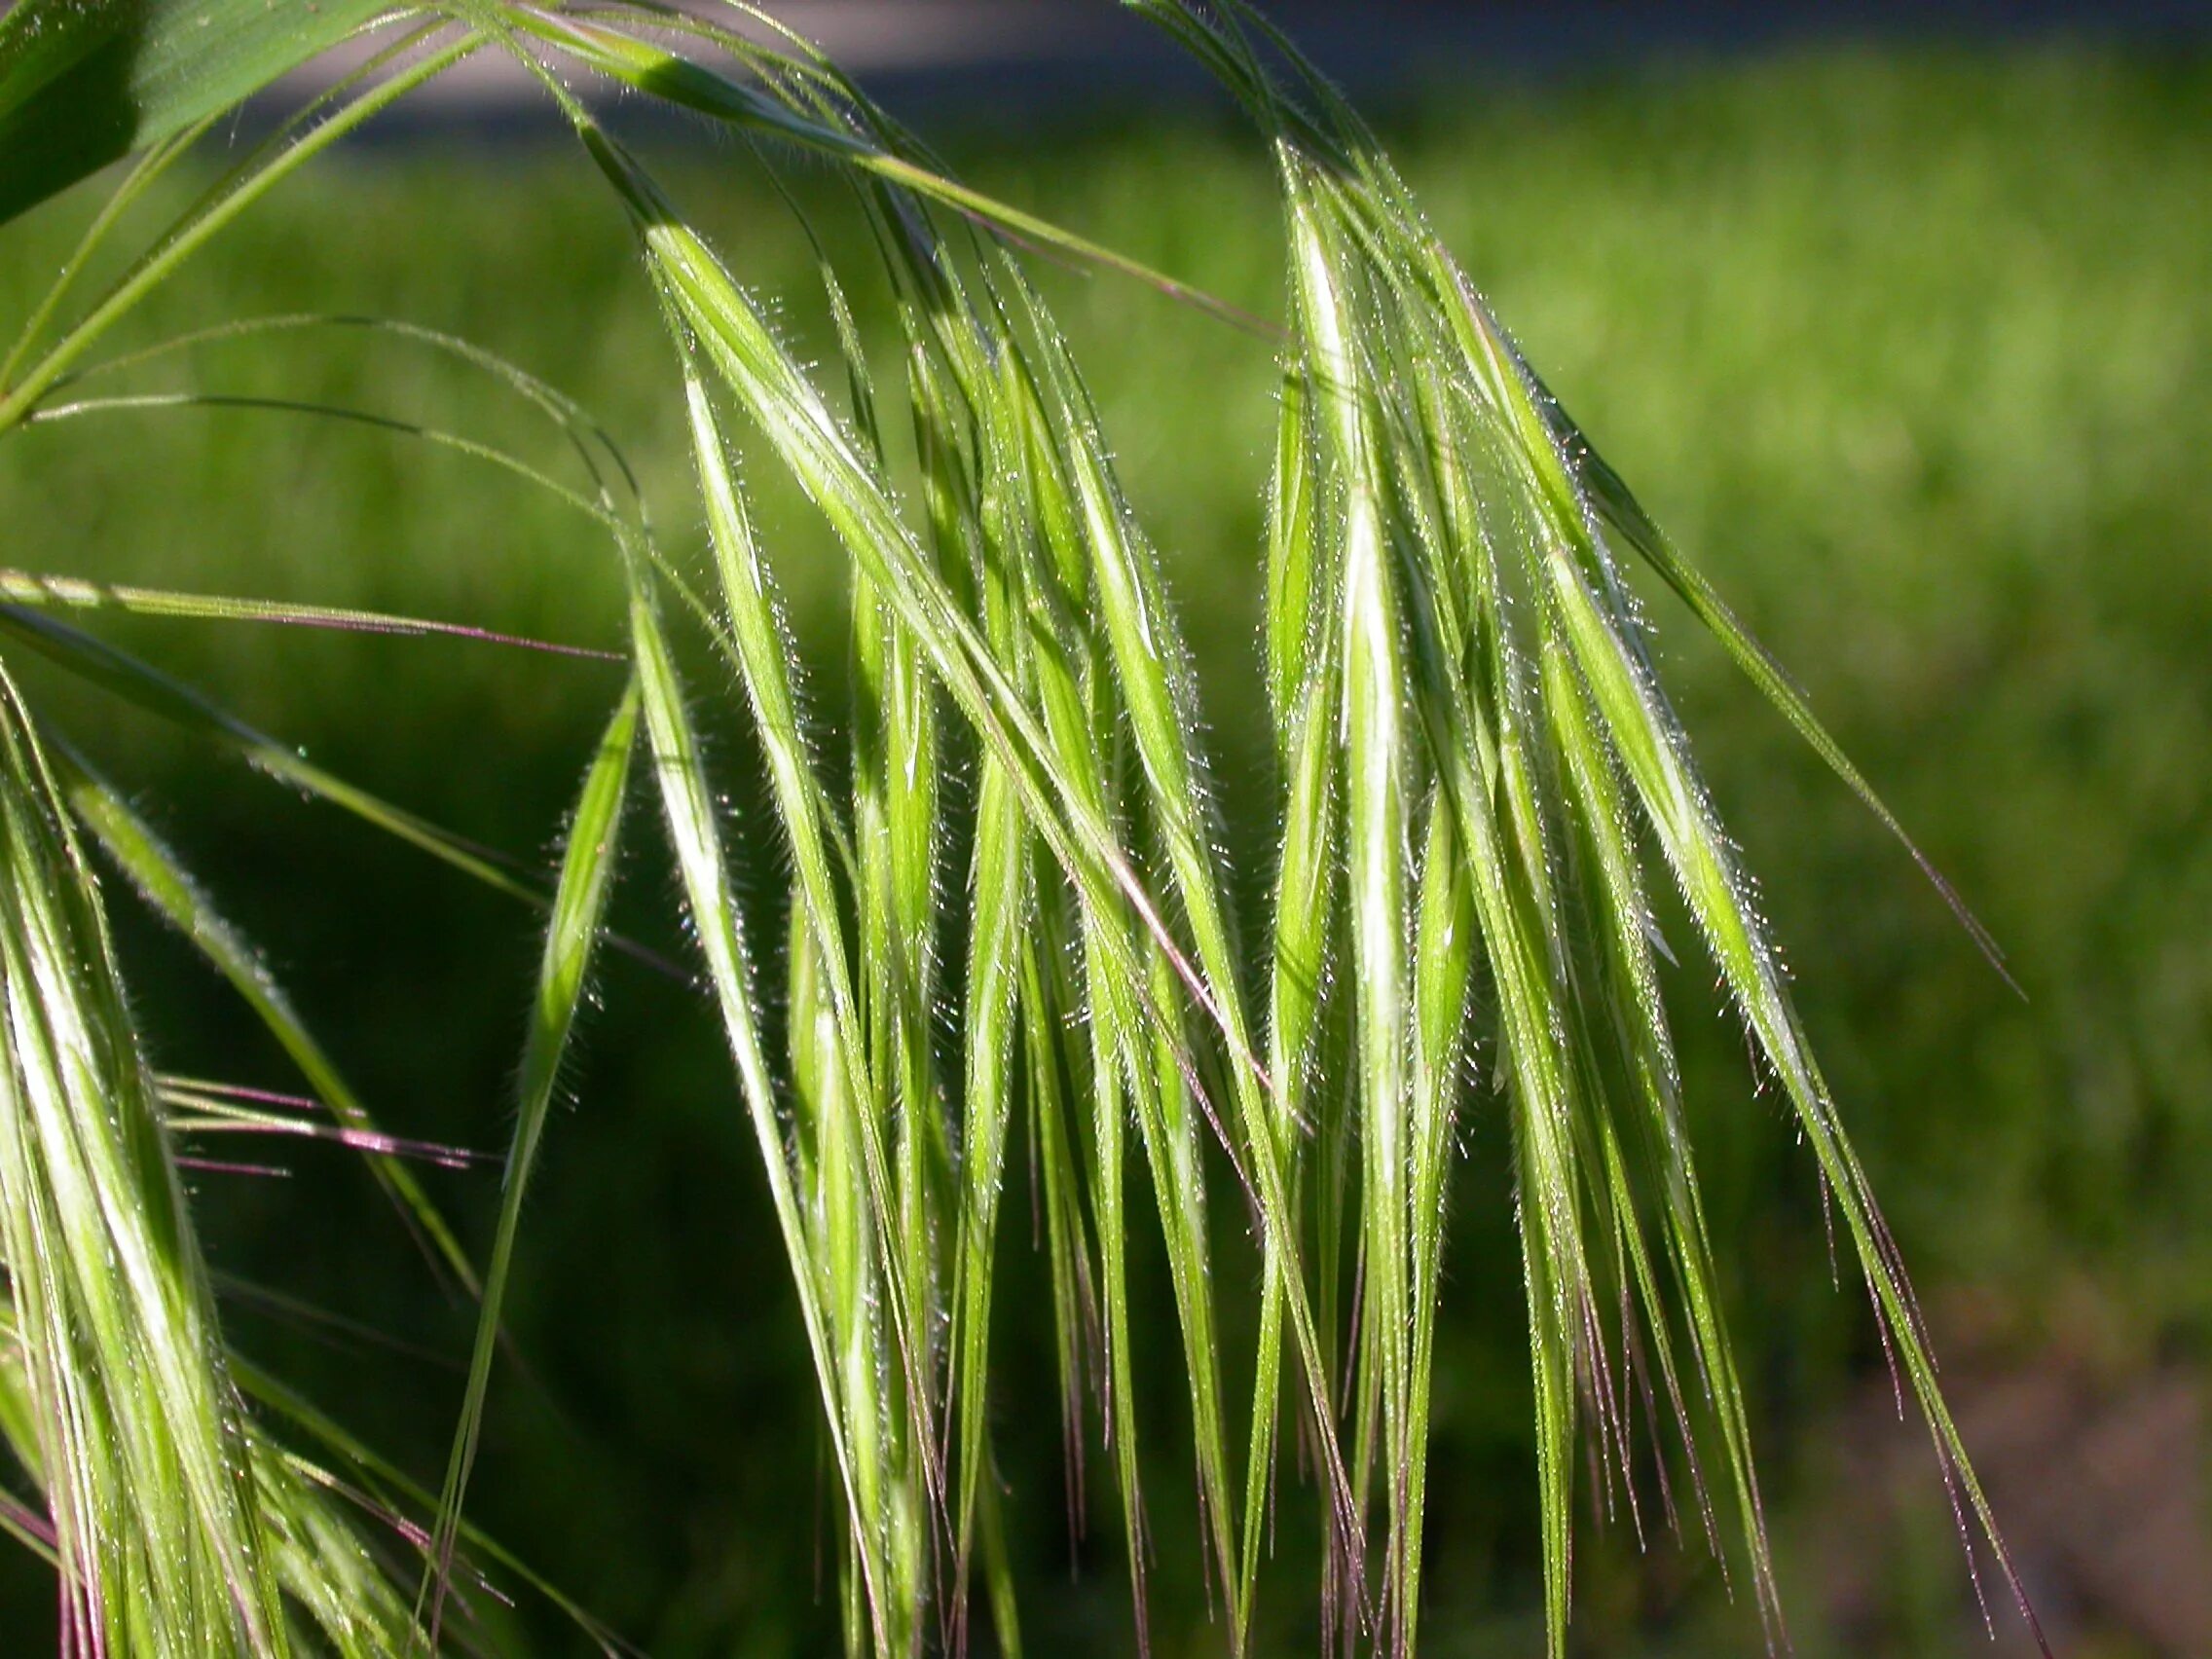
x=1475 y=760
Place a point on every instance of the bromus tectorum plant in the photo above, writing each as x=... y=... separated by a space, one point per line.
x=1007 y=920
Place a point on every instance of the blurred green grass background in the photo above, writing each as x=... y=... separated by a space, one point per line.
x=1911 y=352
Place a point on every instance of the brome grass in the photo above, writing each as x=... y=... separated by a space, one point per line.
x=1476 y=763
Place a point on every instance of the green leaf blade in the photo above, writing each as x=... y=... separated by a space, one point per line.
x=82 y=85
